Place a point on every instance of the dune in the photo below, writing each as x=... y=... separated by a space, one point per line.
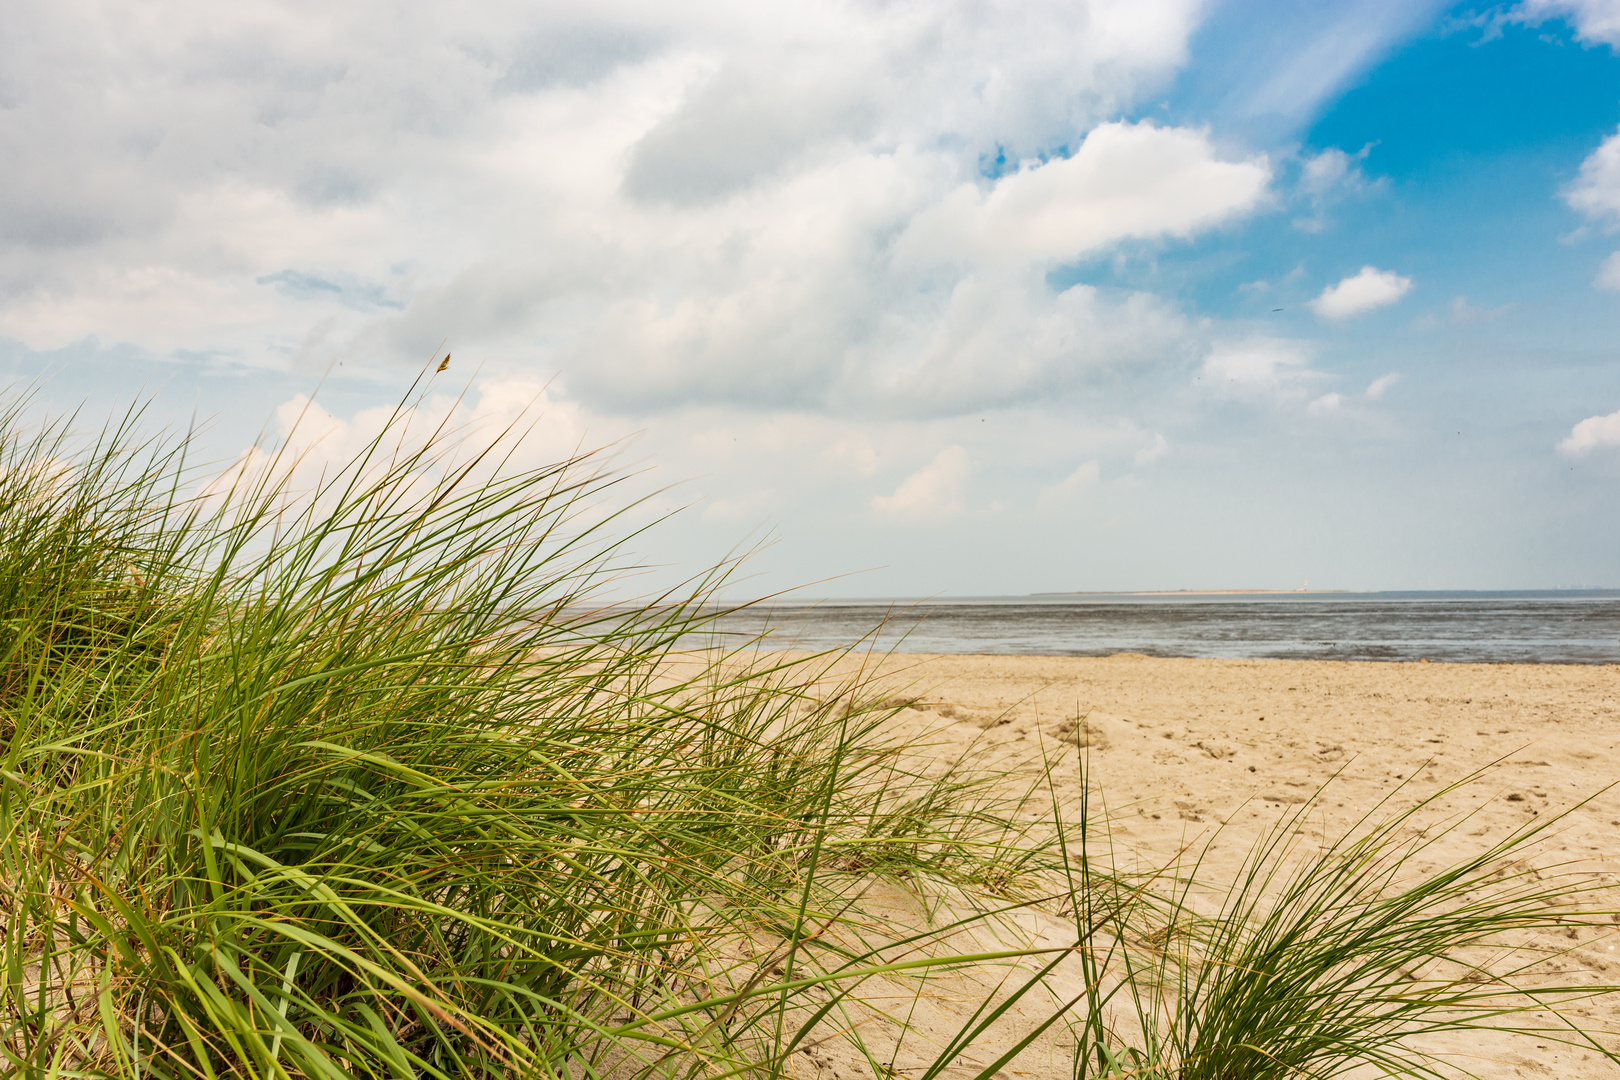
x=1194 y=756
x=313 y=791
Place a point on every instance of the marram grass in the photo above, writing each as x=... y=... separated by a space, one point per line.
x=349 y=781
x=1330 y=954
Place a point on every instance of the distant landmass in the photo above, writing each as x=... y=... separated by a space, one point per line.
x=1195 y=592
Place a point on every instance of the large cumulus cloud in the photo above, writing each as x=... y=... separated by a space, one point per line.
x=813 y=205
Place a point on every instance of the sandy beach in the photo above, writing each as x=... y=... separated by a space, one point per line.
x=1189 y=752
x=1181 y=745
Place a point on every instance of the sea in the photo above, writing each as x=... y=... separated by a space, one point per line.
x=1564 y=626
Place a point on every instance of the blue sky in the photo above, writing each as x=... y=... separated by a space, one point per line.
x=938 y=298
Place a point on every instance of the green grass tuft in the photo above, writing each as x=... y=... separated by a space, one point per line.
x=366 y=779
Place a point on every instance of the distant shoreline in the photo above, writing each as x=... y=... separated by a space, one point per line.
x=1199 y=592
x=1563 y=627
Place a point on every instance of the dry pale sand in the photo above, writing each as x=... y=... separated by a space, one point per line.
x=1187 y=751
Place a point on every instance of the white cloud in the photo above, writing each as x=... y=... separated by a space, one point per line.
x=1460 y=311
x=1595 y=20
x=1371 y=288
x=1333 y=171
x=749 y=507
x=856 y=341
x=1596 y=190
x=854 y=452
x=1336 y=402
x=664 y=204
x=1327 y=177
x=1608 y=276
x=554 y=430
x=309 y=445
x=1324 y=171
x=1380 y=386
x=1593 y=433
x=1153 y=451
x=1069 y=490
x=1257 y=366
x=1125 y=181
x=933 y=490
x=1327 y=403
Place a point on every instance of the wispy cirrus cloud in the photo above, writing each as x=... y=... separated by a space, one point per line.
x=1595 y=21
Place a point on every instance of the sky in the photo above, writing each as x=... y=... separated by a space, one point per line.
x=906 y=298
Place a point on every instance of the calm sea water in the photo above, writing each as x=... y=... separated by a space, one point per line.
x=1563 y=627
